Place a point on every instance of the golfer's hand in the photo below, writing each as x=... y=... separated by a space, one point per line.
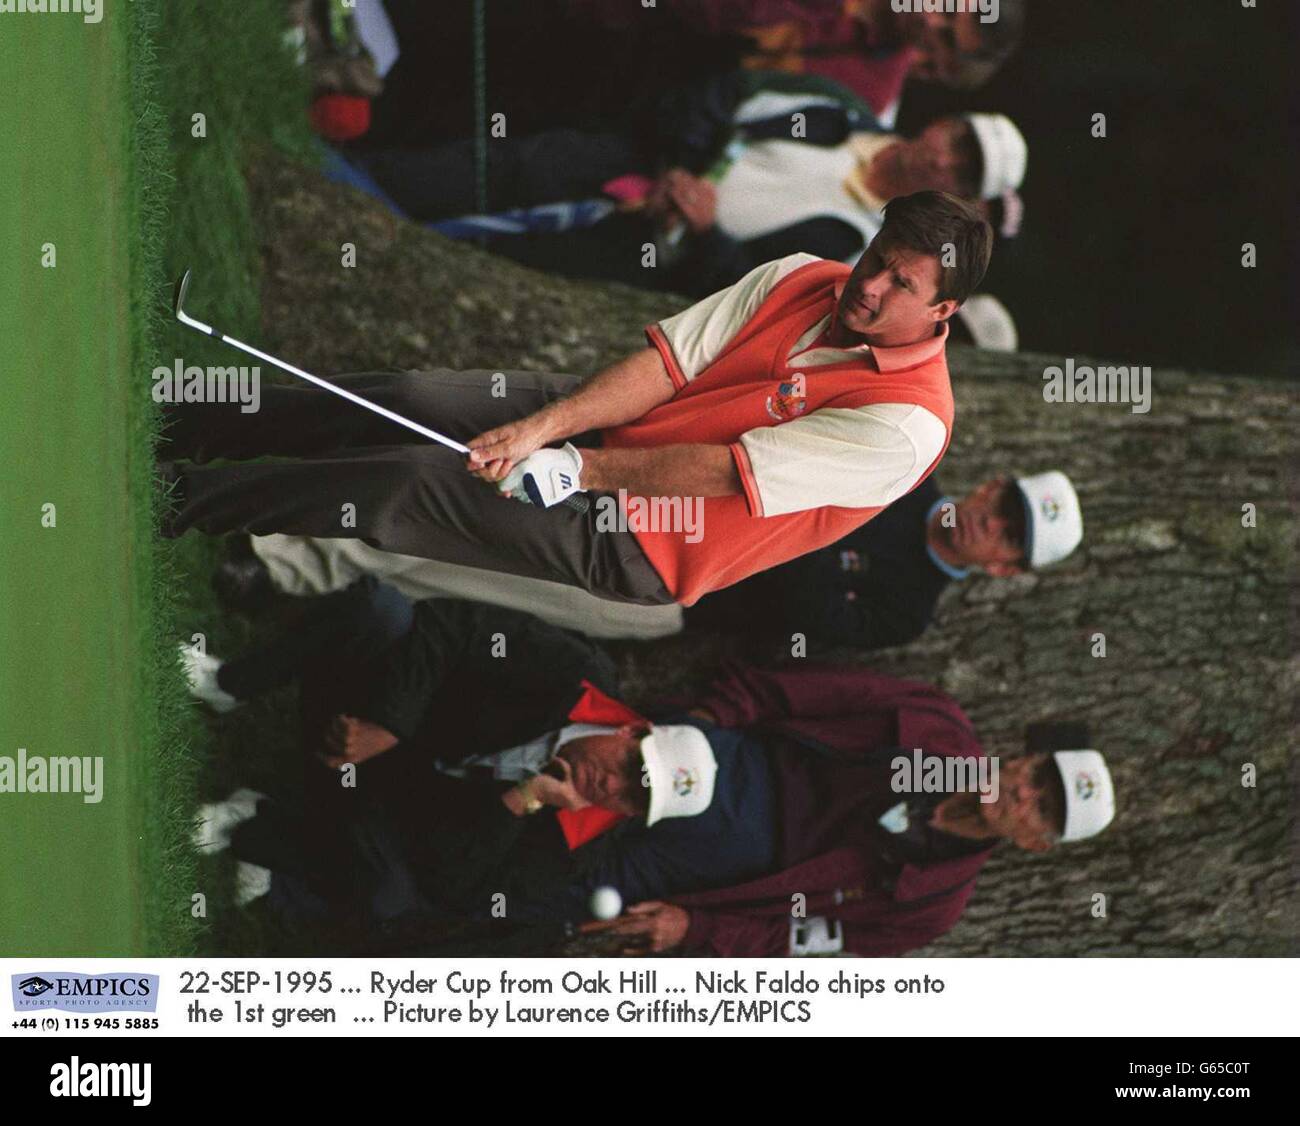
x=695 y=199
x=495 y=452
x=649 y=927
x=558 y=792
x=352 y=740
x=545 y=478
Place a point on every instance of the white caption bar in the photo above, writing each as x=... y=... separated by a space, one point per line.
x=640 y=997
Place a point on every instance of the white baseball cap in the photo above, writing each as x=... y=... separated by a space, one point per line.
x=989 y=323
x=1005 y=151
x=1089 y=793
x=680 y=769
x=1053 y=518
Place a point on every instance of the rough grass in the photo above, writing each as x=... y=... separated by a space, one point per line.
x=164 y=714
x=191 y=211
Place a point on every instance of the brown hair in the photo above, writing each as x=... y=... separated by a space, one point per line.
x=927 y=223
x=1051 y=793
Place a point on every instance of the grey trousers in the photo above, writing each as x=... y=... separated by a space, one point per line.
x=333 y=469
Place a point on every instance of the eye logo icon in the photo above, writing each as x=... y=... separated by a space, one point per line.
x=34 y=986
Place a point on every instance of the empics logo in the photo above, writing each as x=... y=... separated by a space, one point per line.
x=80 y=993
x=75 y=1079
x=91 y=11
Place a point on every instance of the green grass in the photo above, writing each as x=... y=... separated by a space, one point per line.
x=76 y=605
x=103 y=163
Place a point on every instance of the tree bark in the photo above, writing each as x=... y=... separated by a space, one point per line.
x=1197 y=610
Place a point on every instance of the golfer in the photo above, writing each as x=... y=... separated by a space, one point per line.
x=793 y=406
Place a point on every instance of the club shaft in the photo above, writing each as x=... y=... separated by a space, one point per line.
x=392 y=416
x=577 y=503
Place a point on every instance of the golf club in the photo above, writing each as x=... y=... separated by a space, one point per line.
x=579 y=503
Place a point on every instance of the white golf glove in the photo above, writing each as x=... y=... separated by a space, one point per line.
x=546 y=477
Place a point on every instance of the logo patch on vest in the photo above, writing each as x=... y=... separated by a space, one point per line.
x=787 y=403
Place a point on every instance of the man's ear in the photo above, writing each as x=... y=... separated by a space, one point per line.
x=945 y=309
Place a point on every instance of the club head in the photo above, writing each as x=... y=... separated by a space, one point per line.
x=178 y=294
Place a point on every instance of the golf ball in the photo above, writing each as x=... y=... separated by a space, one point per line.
x=605 y=903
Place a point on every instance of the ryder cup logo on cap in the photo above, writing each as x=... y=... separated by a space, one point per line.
x=1089 y=793
x=1053 y=519
x=680 y=770
x=1005 y=152
x=685 y=780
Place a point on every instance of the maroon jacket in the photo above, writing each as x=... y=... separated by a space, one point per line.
x=881 y=912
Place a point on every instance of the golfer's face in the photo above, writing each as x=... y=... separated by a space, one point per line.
x=1025 y=811
x=607 y=770
x=989 y=525
x=887 y=298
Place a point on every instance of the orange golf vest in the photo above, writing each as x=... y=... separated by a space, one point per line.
x=749 y=386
